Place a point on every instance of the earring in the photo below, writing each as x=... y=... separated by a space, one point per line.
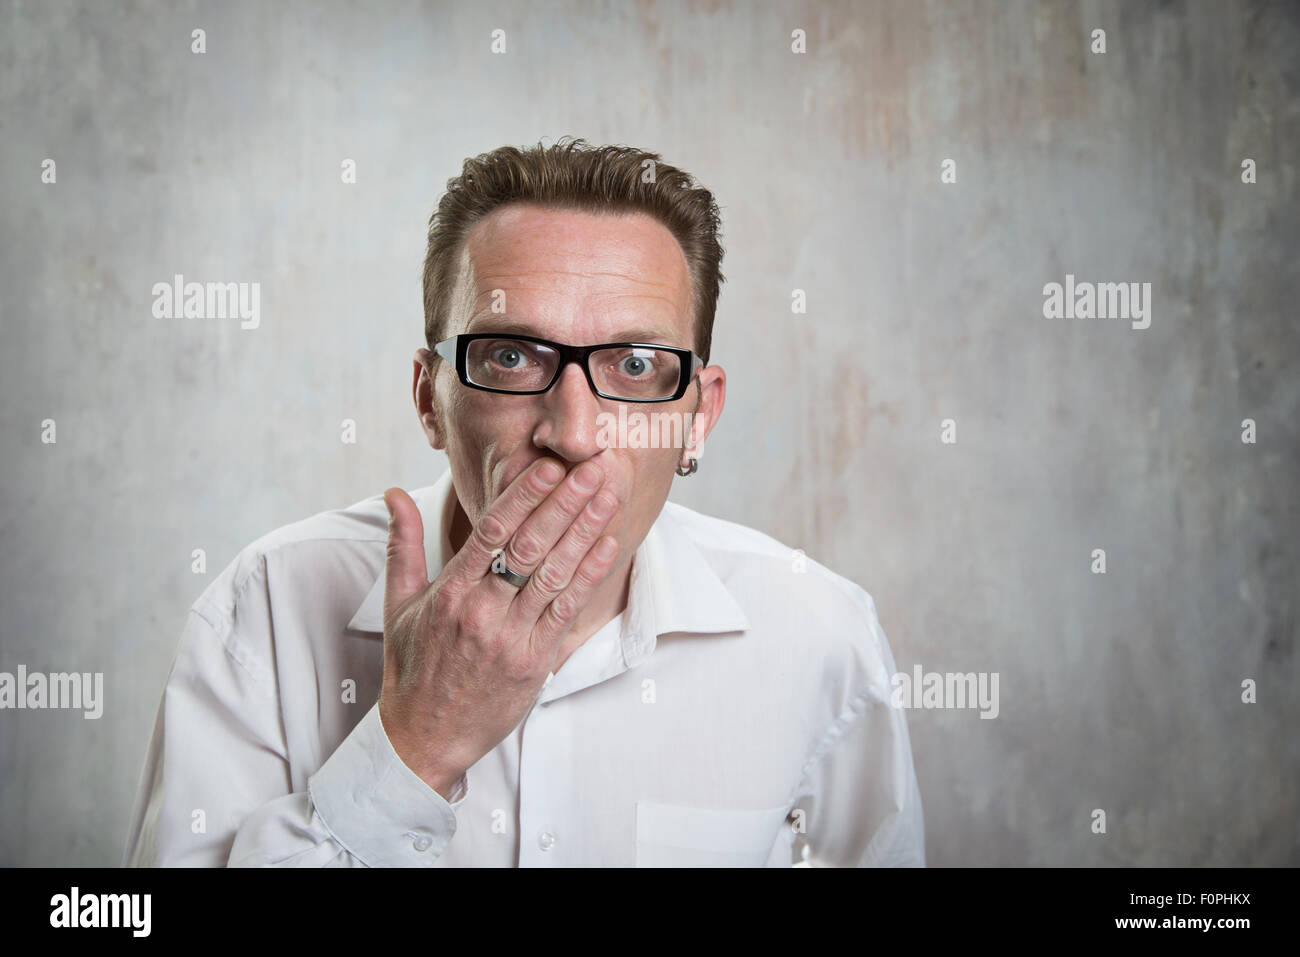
x=689 y=469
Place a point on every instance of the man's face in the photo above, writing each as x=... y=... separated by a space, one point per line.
x=579 y=279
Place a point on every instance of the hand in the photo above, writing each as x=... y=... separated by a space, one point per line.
x=465 y=656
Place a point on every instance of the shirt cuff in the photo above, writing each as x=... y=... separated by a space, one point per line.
x=377 y=807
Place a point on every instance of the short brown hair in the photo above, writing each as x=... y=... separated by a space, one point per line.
x=574 y=175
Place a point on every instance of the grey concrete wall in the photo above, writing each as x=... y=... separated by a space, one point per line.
x=1119 y=691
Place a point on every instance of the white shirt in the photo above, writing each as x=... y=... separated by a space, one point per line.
x=738 y=710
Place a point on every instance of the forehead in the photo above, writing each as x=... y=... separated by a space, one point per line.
x=572 y=273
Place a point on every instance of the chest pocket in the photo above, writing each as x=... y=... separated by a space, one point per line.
x=669 y=835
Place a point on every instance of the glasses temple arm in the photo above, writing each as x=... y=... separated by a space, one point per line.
x=447 y=349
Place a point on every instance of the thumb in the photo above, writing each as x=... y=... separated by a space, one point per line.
x=406 y=574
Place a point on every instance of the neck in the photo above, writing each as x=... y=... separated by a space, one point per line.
x=608 y=600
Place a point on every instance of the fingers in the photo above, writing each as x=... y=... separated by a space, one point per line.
x=562 y=611
x=556 y=570
x=405 y=574
x=535 y=538
x=493 y=531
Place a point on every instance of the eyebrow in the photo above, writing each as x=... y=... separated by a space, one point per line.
x=496 y=323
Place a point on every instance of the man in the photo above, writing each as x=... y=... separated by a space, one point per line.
x=537 y=660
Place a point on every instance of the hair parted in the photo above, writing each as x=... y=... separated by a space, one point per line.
x=574 y=175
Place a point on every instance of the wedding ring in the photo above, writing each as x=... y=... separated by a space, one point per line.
x=499 y=568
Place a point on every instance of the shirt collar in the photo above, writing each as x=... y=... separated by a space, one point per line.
x=673 y=588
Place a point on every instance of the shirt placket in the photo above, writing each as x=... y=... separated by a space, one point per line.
x=546 y=775
x=548 y=766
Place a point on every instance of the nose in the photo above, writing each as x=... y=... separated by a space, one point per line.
x=568 y=413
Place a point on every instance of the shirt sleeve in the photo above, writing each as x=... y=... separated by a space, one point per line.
x=860 y=798
x=862 y=806
x=216 y=788
x=364 y=807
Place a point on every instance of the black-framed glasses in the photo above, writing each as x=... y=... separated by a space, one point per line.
x=527 y=365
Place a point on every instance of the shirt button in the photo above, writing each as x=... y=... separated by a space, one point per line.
x=422 y=842
x=546 y=840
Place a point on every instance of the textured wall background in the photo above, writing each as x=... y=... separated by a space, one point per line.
x=1119 y=691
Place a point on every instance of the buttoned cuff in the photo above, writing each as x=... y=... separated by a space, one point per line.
x=377 y=807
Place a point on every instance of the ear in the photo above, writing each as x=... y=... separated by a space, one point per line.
x=426 y=398
x=712 y=385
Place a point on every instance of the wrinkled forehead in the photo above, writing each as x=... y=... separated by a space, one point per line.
x=566 y=273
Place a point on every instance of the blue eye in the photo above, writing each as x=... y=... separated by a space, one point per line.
x=507 y=358
x=635 y=365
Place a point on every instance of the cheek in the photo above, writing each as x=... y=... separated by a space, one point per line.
x=647 y=476
x=473 y=425
x=459 y=405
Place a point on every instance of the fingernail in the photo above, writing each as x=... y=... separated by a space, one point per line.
x=587 y=477
x=605 y=548
x=550 y=473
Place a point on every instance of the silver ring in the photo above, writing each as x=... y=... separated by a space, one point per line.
x=499 y=568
